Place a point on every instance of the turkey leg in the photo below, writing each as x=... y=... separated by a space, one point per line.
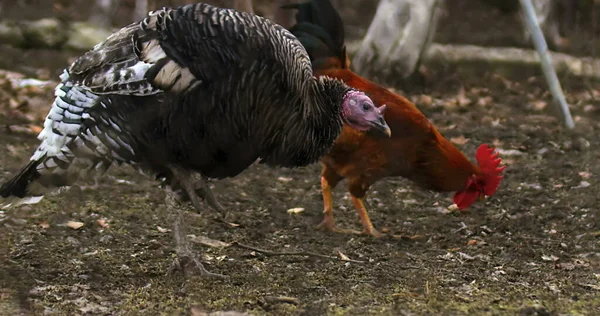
x=185 y=256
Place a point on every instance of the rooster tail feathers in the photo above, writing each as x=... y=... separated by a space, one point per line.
x=320 y=29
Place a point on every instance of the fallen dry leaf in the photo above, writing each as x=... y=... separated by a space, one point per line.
x=460 y=140
x=472 y=242
x=571 y=265
x=343 y=256
x=461 y=98
x=550 y=258
x=36 y=129
x=20 y=129
x=484 y=101
x=582 y=184
x=44 y=224
x=585 y=174
x=208 y=241
x=509 y=152
x=406 y=237
x=102 y=222
x=282 y=299
x=162 y=230
x=197 y=311
x=74 y=225
x=591 y=286
x=425 y=100
x=540 y=105
x=295 y=210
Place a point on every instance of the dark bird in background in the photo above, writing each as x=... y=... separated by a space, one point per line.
x=188 y=91
x=416 y=150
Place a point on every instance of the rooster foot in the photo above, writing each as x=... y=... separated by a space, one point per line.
x=329 y=225
x=372 y=232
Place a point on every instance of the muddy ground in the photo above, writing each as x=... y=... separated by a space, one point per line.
x=532 y=249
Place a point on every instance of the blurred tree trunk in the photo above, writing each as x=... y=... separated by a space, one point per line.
x=403 y=29
x=548 y=18
x=243 y=5
x=103 y=12
x=141 y=9
x=398 y=35
x=285 y=18
x=549 y=15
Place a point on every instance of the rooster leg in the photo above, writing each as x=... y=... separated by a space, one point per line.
x=329 y=180
x=328 y=221
x=185 y=257
x=368 y=228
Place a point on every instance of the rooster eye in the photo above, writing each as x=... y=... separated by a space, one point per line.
x=366 y=106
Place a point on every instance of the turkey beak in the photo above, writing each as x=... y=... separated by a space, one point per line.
x=380 y=124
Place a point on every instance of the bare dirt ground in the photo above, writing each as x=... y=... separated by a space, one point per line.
x=532 y=249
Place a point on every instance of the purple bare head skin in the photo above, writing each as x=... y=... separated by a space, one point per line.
x=359 y=112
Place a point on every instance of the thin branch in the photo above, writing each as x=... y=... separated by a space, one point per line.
x=295 y=253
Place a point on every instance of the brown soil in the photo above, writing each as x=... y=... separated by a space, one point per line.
x=532 y=249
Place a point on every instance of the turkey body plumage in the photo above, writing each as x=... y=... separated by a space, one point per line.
x=203 y=88
x=194 y=89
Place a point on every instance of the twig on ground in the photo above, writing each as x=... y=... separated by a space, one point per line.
x=294 y=253
x=221 y=244
x=282 y=299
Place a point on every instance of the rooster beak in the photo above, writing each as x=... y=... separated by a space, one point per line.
x=481 y=197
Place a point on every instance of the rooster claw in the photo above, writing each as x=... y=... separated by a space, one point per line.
x=373 y=232
x=328 y=225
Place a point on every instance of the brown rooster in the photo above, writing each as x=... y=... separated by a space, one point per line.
x=416 y=150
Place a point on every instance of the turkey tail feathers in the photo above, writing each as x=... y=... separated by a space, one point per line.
x=18 y=184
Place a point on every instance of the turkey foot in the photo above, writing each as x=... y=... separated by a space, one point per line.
x=197 y=188
x=204 y=191
x=185 y=259
x=190 y=184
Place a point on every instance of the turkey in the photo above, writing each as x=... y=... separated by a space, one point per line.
x=190 y=93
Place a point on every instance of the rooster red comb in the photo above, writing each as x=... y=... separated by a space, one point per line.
x=484 y=183
x=488 y=162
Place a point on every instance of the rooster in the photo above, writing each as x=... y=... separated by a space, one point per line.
x=416 y=150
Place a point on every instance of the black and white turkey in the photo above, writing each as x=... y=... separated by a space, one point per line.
x=188 y=91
